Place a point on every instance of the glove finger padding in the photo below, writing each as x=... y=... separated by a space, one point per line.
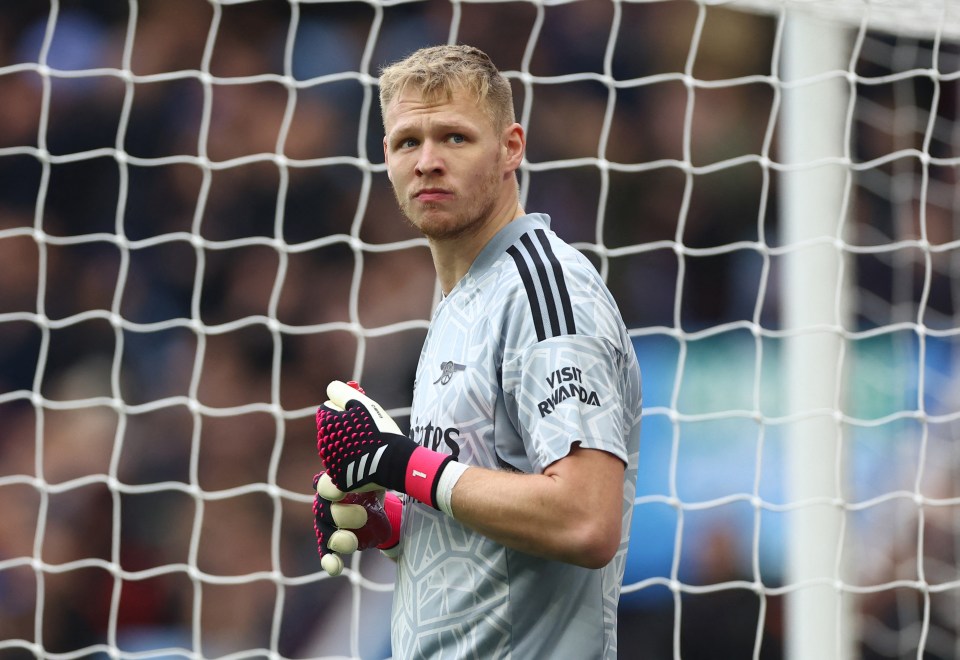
x=327 y=489
x=343 y=542
x=362 y=515
x=348 y=516
x=359 y=530
x=357 y=522
x=342 y=394
x=325 y=528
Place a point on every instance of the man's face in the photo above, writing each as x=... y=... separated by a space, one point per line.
x=444 y=160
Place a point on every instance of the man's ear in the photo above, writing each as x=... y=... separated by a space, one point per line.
x=386 y=159
x=514 y=144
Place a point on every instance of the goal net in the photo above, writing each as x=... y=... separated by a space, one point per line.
x=197 y=234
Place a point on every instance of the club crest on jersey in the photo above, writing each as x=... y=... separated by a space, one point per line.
x=447 y=369
x=566 y=382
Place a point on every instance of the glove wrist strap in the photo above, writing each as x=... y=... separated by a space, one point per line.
x=448 y=479
x=423 y=474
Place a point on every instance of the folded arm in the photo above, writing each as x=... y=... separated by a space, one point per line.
x=572 y=512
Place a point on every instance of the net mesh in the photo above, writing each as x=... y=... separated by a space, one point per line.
x=197 y=234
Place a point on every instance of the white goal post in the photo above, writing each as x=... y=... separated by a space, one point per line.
x=813 y=216
x=197 y=234
x=819 y=59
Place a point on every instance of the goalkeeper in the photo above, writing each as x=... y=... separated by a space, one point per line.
x=510 y=498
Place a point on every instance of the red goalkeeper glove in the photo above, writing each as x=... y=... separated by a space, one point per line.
x=363 y=449
x=357 y=521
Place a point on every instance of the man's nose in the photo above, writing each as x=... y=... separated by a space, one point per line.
x=429 y=161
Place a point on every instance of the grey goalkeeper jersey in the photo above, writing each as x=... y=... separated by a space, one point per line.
x=526 y=357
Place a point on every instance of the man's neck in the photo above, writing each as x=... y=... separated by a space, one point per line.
x=453 y=257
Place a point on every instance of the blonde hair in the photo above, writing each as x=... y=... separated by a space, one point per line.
x=438 y=71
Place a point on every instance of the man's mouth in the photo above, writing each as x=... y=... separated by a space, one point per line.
x=432 y=195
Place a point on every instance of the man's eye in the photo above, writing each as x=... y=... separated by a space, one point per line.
x=406 y=143
x=456 y=138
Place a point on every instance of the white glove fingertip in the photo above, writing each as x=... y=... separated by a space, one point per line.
x=339 y=393
x=328 y=490
x=343 y=542
x=332 y=564
x=348 y=516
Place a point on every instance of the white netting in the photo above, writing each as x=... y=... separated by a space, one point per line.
x=197 y=234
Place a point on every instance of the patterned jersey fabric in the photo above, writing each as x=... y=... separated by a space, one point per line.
x=525 y=358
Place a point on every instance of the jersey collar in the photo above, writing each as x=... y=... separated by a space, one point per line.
x=505 y=238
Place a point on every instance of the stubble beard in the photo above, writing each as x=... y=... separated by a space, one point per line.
x=464 y=222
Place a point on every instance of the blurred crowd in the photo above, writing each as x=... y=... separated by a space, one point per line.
x=220 y=493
